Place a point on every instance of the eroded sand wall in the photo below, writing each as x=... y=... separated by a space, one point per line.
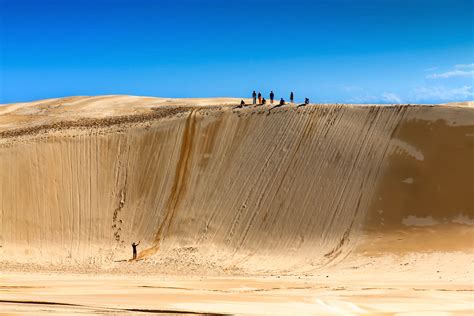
x=299 y=186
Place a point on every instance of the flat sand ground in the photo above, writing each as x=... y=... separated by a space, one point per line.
x=415 y=284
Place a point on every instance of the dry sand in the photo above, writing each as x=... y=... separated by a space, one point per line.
x=324 y=209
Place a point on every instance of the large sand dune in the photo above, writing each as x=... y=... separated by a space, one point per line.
x=232 y=190
x=301 y=186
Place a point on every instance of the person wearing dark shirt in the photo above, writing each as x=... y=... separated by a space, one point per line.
x=272 y=95
x=134 y=246
x=306 y=102
x=282 y=102
x=254 y=97
x=241 y=105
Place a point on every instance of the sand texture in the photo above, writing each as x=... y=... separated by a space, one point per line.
x=351 y=191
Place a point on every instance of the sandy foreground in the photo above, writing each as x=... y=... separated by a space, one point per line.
x=428 y=284
x=323 y=209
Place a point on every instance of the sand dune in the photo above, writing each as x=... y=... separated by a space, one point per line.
x=301 y=186
x=232 y=190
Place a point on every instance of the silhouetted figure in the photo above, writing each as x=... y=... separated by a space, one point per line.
x=259 y=98
x=306 y=102
x=282 y=102
x=264 y=101
x=134 y=246
x=241 y=105
x=254 y=97
x=272 y=96
x=291 y=97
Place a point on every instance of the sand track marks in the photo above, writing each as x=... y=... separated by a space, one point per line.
x=296 y=190
x=179 y=184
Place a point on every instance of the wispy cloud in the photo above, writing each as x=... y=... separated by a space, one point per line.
x=351 y=88
x=452 y=73
x=464 y=66
x=386 y=97
x=460 y=70
x=433 y=92
x=437 y=94
x=391 y=97
x=440 y=93
x=431 y=69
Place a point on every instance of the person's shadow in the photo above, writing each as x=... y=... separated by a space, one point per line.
x=274 y=107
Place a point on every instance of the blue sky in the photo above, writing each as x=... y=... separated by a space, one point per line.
x=363 y=51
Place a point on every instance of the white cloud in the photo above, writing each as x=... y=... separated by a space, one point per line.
x=386 y=97
x=453 y=73
x=459 y=70
x=439 y=94
x=351 y=88
x=391 y=97
x=464 y=66
x=431 y=69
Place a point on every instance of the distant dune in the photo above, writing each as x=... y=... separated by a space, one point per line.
x=465 y=103
x=292 y=189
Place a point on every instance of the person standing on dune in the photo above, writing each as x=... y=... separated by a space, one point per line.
x=259 y=98
x=272 y=95
x=292 y=97
x=134 y=246
x=254 y=97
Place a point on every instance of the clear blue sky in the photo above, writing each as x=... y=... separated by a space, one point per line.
x=331 y=51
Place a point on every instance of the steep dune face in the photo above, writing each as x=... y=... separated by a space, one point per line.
x=425 y=195
x=293 y=188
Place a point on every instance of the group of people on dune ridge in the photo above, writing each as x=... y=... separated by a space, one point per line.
x=263 y=101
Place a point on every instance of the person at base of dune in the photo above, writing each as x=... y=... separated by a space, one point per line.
x=292 y=97
x=282 y=102
x=254 y=97
x=272 y=95
x=134 y=246
x=259 y=98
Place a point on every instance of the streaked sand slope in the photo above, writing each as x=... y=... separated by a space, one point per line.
x=296 y=188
